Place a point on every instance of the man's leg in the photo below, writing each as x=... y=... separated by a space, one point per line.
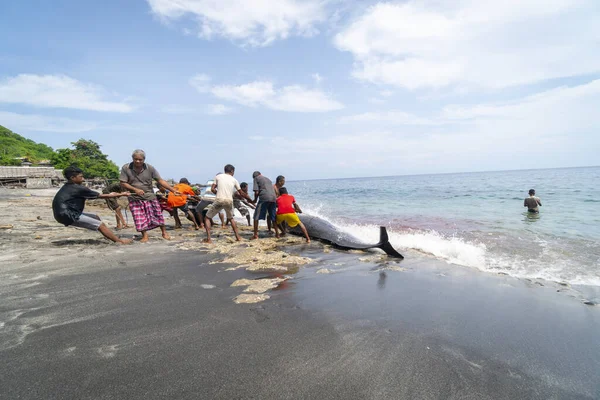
x=255 y=236
x=248 y=218
x=176 y=218
x=107 y=233
x=207 y=224
x=222 y=218
x=235 y=230
x=305 y=232
x=269 y=225
x=120 y=220
x=191 y=217
x=165 y=235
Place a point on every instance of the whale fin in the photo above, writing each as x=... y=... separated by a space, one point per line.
x=385 y=245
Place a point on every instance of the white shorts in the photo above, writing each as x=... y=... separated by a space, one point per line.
x=219 y=205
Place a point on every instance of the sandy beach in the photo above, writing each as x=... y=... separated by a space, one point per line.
x=82 y=318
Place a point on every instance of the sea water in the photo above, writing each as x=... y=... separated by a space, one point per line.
x=475 y=219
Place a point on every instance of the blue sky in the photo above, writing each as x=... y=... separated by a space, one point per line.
x=308 y=88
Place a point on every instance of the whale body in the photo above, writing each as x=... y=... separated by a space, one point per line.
x=320 y=229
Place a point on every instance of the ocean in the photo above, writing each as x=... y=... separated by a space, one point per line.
x=474 y=219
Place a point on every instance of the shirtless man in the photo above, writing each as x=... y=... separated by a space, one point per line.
x=532 y=202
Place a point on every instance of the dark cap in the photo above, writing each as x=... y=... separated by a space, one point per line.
x=255 y=174
x=531 y=191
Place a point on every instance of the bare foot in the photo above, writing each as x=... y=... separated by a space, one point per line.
x=237 y=238
x=197 y=228
x=125 y=241
x=206 y=241
x=125 y=226
x=307 y=240
x=177 y=227
x=254 y=237
x=166 y=236
x=144 y=239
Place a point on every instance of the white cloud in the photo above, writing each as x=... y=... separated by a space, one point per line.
x=317 y=77
x=253 y=22
x=394 y=117
x=219 y=109
x=57 y=91
x=201 y=82
x=41 y=123
x=249 y=94
x=549 y=128
x=178 y=109
x=550 y=111
x=263 y=93
x=479 y=43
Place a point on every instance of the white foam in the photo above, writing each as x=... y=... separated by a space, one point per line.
x=548 y=266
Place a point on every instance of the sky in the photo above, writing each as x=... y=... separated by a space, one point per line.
x=308 y=89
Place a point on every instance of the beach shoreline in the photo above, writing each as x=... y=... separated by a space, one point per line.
x=83 y=318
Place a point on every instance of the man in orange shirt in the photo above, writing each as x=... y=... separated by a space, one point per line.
x=180 y=202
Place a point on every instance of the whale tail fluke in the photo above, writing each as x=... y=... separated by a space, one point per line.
x=385 y=245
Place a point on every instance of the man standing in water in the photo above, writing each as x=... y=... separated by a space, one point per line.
x=532 y=202
x=138 y=177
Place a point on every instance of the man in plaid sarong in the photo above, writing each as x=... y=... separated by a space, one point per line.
x=138 y=177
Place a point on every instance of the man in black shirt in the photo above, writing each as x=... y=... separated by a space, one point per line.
x=69 y=202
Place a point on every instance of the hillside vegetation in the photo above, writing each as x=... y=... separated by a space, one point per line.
x=13 y=146
x=85 y=154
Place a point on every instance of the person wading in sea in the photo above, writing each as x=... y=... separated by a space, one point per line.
x=138 y=177
x=532 y=202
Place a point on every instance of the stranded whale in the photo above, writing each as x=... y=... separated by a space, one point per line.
x=320 y=229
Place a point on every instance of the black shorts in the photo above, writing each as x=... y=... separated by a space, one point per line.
x=183 y=208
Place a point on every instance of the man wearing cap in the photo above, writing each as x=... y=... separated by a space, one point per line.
x=267 y=206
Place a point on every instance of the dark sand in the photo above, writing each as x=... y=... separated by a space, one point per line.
x=84 y=319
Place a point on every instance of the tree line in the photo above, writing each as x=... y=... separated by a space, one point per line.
x=85 y=154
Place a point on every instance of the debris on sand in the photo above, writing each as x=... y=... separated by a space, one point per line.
x=251 y=298
x=258 y=285
x=325 y=271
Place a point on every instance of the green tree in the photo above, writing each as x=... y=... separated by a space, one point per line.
x=86 y=155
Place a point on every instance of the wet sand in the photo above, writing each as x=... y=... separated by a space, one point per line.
x=83 y=318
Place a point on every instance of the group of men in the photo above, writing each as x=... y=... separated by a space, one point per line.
x=136 y=181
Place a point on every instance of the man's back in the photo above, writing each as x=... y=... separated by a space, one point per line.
x=264 y=187
x=532 y=203
x=227 y=185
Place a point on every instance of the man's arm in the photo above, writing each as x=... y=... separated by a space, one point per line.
x=537 y=200
x=297 y=208
x=113 y=194
x=213 y=187
x=243 y=194
x=166 y=185
x=132 y=189
x=525 y=203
